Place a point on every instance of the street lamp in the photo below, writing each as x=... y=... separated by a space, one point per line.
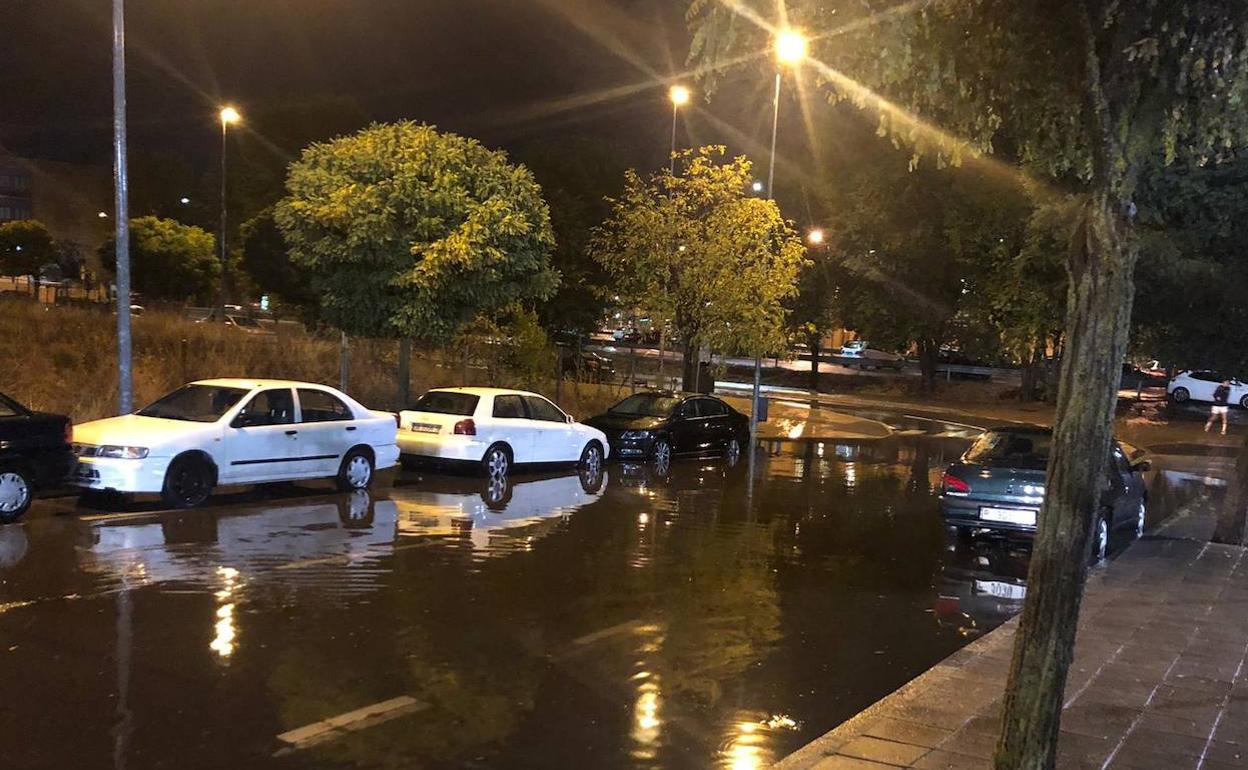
x=680 y=97
x=228 y=115
x=815 y=237
x=790 y=50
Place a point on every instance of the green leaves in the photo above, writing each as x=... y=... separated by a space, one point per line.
x=699 y=249
x=406 y=231
x=25 y=246
x=168 y=260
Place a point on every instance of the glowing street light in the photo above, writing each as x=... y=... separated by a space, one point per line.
x=790 y=47
x=680 y=97
x=815 y=237
x=757 y=186
x=102 y=215
x=184 y=200
x=228 y=115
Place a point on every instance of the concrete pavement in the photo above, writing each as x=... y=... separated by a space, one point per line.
x=1157 y=681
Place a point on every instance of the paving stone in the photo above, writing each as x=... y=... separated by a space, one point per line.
x=1082 y=752
x=848 y=763
x=878 y=750
x=1098 y=720
x=1163 y=723
x=1167 y=748
x=1200 y=707
x=981 y=745
x=902 y=731
x=1228 y=754
x=943 y=760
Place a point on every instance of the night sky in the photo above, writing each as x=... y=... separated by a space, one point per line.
x=509 y=72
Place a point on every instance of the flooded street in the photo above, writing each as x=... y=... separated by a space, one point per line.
x=686 y=619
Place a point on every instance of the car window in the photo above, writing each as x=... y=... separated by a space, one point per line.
x=688 y=410
x=447 y=402
x=197 y=403
x=646 y=404
x=541 y=409
x=9 y=408
x=275 y=406
x=709 y=407
x=319 y=406
x=1207 y=376
x=509 y=407
x=1011 y=449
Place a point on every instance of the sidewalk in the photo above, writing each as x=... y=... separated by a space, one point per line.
x=1157 y=680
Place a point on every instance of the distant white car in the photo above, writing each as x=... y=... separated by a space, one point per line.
x=497 y=428
x=235 y=431
x=866 y=356
x=1199 y=386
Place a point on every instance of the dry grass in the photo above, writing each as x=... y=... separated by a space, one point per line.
x=64 y=359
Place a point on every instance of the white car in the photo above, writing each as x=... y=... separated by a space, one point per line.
x=496 y=428
x=1199 y=386
x=232 y=431
x=865 y=356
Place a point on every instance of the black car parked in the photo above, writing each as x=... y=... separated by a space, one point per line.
x=998 y=486
x=34 y=452
x=660 y=424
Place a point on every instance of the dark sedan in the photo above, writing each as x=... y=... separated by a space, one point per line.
x=661 y=424
x=34 y=453
x=998 y=486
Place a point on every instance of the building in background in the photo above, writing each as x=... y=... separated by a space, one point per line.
x=68 y=198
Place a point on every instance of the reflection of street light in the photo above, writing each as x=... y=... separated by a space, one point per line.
x=102 y=215
x=184 y=200
x=680 y=97
x=815 y=237
x=228 y=115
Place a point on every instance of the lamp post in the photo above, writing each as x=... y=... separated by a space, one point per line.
x=790 y=50
x=228 y=115
x=121 y=191
x=680 y=97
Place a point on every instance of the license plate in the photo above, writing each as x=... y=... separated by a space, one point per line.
x=425 y=427
x=86 y=472
x=1009 y=516
x=1000 y=590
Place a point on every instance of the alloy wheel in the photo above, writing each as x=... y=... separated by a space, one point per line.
x=1139 y=520
x=14 y=492
x=733 y=452
x=359 y=472
x=496 y=462
x=1101 y=545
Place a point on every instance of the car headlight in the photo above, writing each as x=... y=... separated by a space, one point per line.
x=634 y=435
x=122 y=452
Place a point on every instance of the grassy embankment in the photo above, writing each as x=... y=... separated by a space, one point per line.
x=64 y=359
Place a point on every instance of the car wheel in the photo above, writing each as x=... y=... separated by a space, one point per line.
x=497 y=461
x=732 y=452
x=496 y=493
x=1140 y=515
x=16 y=491
x=1100 y=540
x=591 y=457
x=662 y=455
x=356 y=471
x=1180 y=395
x=188 y=482
x=1243 y=402
x=356 y=510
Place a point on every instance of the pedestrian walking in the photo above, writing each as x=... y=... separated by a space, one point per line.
x=1221 y=406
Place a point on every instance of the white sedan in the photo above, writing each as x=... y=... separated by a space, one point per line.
x=496 y=428
x=865 y=356
x=1199 y=386
x=232 y=431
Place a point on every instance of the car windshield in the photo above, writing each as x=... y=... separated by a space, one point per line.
x=1011 y=449
x=446 y=402
x=250 y=323
x=197 y=403
x=647 y=404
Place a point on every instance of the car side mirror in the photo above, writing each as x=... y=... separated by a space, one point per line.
x=569 y=418
x=245 y=420
x=1142 y=466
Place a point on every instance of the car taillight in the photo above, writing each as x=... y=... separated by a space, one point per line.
x=951 y=483
x=465 y=428
x=397 y=422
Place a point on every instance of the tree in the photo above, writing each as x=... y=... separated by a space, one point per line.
x=168 y=260
x=266 y=259
x=407 y=232
x=696 y=248
x=25 y=246
x=1085 y=93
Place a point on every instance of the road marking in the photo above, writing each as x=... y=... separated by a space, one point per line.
x=339 y=726
x=119 y=516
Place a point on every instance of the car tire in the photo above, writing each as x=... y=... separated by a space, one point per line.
x=1243 y=402
x=496 y=493
x=1140 y=518
x=356 y=471
x=591 y=457
x=1100 y=540
x=1181 y=395
x=497 y=460
x=732 y=452
x=17 y=489
x=661 y=453
x=188 y=482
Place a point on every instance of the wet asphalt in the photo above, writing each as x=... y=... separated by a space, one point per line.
x=692 y=618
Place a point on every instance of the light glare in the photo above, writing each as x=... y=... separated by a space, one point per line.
x=679 y=95
x=230 y=115
x=790 y=47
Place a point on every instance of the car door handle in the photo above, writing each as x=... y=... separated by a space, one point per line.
x=291 y=432
x=350 y=427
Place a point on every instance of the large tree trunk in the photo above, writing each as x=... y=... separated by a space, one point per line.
x=1098 y=315
x=405 y=372
x=689 y=373
x=929 y=358
x=1230 y=529
x=812 y=340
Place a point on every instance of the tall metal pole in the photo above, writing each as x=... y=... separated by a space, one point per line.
x=771 y=178
x=225 y=266
x=672 y=155
x=121 y=212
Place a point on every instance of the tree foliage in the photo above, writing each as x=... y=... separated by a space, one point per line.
x=25 y=246
x=168 y=260
x=406 y=231
x=698 y=249
x=266 y=259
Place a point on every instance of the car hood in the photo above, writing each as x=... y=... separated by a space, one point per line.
x=611 y=421
x=136 y=430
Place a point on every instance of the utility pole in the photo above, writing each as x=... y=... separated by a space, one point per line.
x=121 y=215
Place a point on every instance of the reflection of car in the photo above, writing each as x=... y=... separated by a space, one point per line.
x=1199 y=386
x=34 y=453
x=590 y=366
x=500 y=507
x=998 y=485
x=496 y=428
x=866 y=357
x=981 y=587
x=233 y=431
x=661 y=424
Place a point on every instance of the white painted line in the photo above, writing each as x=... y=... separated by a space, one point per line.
x=338 y=726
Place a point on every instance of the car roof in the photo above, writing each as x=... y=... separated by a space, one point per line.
x=487 y=391
x=251 y=384
x=1022 y=429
